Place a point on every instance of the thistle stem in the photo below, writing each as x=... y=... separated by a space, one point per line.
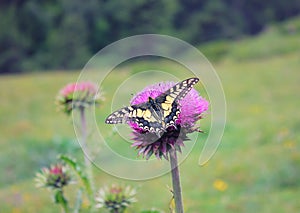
x=60 y=199
x=65 y=208
x=84 y=136
x=88 y=165
x=176 y=181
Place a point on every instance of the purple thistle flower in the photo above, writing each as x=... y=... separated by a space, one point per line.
x=191 y=108
x=78 y=95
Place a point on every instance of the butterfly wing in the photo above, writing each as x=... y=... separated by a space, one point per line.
x=146 y=118
x=142 y=114
x=119 y=116
x=168 y=101
x=178 y=91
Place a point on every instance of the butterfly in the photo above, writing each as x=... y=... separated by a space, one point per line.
x=157 y=114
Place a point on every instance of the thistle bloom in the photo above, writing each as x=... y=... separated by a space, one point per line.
x=115 y=198
x=55 y=177
x=78 y=95
x=191 y=108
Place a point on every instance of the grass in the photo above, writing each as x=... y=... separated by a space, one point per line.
x=258 y=158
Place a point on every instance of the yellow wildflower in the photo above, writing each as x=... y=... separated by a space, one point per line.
x=220 y=185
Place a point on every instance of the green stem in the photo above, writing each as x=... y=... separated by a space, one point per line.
x=88 y=164
x=176 y=181
x=60 y=199
x=84 y=136
x=65 y=207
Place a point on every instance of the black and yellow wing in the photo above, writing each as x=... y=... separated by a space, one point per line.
x=142 y=114
x=169 y=100
x=157 y=114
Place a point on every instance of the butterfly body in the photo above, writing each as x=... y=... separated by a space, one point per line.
x=157 y=114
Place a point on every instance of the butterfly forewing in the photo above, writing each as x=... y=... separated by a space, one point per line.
x=169 y=100
x=179 y=91
x=119 y=116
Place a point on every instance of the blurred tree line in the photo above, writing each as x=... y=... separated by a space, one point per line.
x=64 y=34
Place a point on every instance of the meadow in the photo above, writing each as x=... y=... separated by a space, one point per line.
x=257 y=162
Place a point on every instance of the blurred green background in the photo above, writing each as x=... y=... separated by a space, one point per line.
x=254 y=47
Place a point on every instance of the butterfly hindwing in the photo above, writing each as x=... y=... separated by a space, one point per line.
x=146 y=117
